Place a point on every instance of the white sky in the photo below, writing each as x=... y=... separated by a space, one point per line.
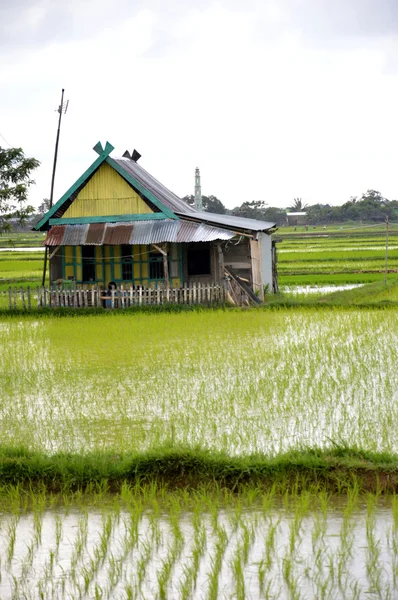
x=272 y=99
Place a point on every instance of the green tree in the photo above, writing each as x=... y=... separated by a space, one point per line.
x=211 y=204
x=297 y=205
x=251 y=210
x=15 y=180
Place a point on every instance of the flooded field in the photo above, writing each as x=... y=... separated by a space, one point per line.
x=248 y=382
x=317 y=289
x=345 y=550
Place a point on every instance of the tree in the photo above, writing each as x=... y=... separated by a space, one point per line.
x=251 y=210
x=15 y=170
x=44 y=206
x=211 y=204
x=297 y=205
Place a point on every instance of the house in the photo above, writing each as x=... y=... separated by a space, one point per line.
x=296 y=218
x=118 y=225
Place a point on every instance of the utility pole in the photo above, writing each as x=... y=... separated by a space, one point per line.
x=61 y=110
x=386 y=265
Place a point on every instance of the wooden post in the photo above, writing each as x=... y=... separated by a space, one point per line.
x=386 y=265
x=122 y=296
x=29 y=302
x=220 y=262
x=9 y=298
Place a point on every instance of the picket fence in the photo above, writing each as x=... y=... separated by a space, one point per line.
x=120 y=297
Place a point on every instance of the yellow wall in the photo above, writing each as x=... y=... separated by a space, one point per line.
x=107 y=193
x=109 y=257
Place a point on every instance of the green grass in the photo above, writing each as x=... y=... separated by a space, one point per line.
x=332 y=469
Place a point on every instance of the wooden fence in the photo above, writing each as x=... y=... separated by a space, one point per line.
x=120 y=297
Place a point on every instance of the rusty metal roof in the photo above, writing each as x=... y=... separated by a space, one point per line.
x=117 y=234
x=135 y=232
x=95 y=234
x=55 y=236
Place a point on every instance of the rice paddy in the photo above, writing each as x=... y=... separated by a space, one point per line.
x=336 y=257
x=230 y=383
x=208 y=546
x=238 y=383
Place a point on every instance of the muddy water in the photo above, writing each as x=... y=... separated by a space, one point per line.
x=229 y=554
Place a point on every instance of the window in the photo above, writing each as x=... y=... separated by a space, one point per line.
x=127 y=262
x=156 y=266
x=88 y=263
x=198 y=257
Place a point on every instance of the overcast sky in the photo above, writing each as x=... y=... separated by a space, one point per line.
x=272 y=99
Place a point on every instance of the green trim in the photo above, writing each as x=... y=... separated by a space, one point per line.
x=104 y=157
x=108 y=219
x=133 y=182
x=97 y=163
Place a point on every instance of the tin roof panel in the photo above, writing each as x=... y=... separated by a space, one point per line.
x=55 y=236
x=95 y=234
x=75 y=235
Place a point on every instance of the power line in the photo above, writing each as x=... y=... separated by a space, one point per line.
x=2 y=137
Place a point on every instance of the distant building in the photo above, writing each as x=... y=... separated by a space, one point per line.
x=296 y=218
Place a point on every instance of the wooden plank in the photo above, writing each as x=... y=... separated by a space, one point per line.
x=85 y=299
x=257 y=278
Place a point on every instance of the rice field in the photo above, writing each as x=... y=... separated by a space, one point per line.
x=335 y=257
x=236 y=382
x=207 y=547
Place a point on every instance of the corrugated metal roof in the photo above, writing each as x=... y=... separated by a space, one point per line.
x=229 y=221
x=55 y=236
x=160 y=192
x=142 y=232
x=95 y=234
x=117 y=234
x=75 y=236
x=137 y=232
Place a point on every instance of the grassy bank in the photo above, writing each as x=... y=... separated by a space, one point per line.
x=335 y=470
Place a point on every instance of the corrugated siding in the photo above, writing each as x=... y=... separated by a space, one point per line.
x=107 y=193
x=137 y=232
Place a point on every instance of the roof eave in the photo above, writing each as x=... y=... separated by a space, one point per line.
x=237 y=229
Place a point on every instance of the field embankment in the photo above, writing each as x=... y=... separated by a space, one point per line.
x=333 y=470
